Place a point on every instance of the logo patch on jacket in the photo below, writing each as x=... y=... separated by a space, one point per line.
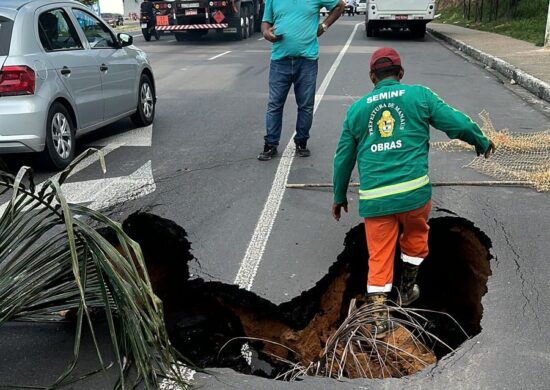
x=387 y=117
x=386 y=124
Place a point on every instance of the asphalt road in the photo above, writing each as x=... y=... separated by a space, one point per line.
x=207 y=133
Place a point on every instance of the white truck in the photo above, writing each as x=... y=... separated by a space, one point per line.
x=399 y=14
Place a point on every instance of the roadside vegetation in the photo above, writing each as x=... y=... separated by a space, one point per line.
x=520 y=19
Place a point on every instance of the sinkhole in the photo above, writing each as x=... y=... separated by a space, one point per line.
x=220 y=325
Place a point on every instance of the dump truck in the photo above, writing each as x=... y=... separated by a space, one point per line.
x=235 y=18
x=399 y=14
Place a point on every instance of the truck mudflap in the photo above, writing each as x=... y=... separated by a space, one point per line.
x=181 y=27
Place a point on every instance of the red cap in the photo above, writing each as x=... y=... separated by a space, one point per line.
x=385 y=52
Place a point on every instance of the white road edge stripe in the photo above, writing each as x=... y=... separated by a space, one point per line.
x=219 y=55
x=256 y=247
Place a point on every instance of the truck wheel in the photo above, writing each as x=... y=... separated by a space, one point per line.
x=146 y=34
x=251 y=23
x=418 y=31
x=369 y=30
x=245 y=21
x=60 y=138
x=180 y=37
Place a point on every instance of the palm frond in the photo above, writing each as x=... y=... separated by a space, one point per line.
x=52 y=259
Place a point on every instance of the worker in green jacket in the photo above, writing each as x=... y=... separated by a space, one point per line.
x=387 y=133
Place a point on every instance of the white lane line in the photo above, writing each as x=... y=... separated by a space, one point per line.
x=256 y=247
x=219 y=55
x=261 y=39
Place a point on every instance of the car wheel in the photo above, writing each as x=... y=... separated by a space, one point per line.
x=145 y=113
x=60 y=137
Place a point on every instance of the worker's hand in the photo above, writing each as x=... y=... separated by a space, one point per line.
x=337 y=209
x=270 y=36
x=490 y=150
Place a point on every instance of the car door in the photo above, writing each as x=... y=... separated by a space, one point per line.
x=73 y=63
x=118 y=67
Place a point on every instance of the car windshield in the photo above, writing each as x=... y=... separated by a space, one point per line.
x=5 y=35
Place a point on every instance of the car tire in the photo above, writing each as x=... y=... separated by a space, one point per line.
x=60 y=138
x=145 y=113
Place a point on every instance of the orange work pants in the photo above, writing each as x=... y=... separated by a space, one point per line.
x=382 y=239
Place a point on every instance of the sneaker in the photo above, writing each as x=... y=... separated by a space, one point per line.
x=269 y=152
x=302 y=151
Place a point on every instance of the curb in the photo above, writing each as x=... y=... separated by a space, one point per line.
x=534 y=85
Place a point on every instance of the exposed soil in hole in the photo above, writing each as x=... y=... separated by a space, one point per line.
x=203 y=316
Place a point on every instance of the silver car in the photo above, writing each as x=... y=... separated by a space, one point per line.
x=64 y=73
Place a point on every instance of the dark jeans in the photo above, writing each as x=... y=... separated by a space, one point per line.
x=282 y=74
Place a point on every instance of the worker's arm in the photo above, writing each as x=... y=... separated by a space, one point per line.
x=336 y=9
x=268 y=22
x=457 y=125
x=344 y=161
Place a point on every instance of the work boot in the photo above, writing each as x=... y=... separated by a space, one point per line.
x=269 y=152
x=409 y=289
x=382 y=323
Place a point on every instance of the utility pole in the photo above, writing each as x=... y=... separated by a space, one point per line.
x=547 y=35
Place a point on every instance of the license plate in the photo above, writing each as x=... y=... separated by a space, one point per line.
x=162 y=20
x=401 y=17
x=189 y=5
x=143 y=25
x=190 y=12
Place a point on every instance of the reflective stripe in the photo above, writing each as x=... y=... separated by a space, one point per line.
x=394 y=189
x=411 y=259
x=376 y=289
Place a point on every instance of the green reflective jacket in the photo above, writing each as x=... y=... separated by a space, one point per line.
x=388 y=132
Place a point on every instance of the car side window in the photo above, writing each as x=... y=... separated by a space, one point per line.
x=98 y=35
x=57 y=32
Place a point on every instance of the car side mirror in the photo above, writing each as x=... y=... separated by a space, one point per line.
x=125 y=39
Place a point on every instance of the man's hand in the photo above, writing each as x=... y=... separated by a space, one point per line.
x=337 y=209
x=333 y=15
x=320 y=30
x=269 y=35
x=490 y=150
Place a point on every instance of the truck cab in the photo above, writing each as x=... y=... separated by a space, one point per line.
x=399 y=14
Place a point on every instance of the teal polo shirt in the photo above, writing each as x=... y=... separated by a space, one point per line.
x=297 y=21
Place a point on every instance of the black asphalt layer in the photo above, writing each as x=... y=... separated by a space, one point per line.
x=207 y=134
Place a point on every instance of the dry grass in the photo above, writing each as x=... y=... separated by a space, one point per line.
x=353 y=351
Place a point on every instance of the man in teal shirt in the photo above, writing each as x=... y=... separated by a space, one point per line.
x=293 y=27
x=387 y=134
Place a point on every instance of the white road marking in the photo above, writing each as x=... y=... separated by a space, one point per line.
x=102 y=193
x=141 y=136
x=256 y=248
x=219 y=55
x=261 y=39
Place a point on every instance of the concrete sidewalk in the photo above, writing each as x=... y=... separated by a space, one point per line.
x=523 y=62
